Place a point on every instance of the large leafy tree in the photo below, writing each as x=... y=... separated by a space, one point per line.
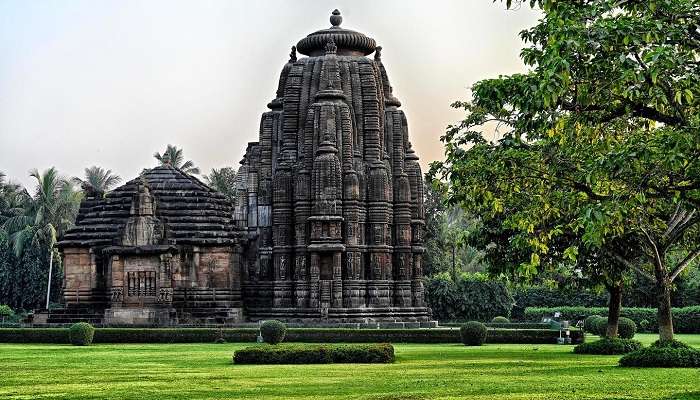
x=98 y=179
x=223 y=180
x=599 y=141
x=174 y=156
x=48 y=213
x=13 y=199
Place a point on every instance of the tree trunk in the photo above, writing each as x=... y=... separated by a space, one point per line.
x=663 y=289
x=48 y=287
x=454 y=265
x=614 y=307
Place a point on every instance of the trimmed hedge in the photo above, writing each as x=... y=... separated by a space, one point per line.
x=308 y=335
x=541 y=296
x=500 y=320
x=81 y=334
x=273 y=331
x=664 y=357
x=607 y=346
x=473 y=333
x=626 y=328
x=685 y=320
x=315 y=354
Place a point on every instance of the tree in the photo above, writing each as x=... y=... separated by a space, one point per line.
x=13 y=199
x=49 y=212
x=223 y=180
x=599 y=140
x=98 y=179
x=173 y=156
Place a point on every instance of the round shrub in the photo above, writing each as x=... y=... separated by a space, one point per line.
x=644 y=325
x=607 y=346
x=626 y=328
x=273 y=331
x=81 y=334
x=500 y=320
x=664 y=357
x=473 y=333
x=589 y=323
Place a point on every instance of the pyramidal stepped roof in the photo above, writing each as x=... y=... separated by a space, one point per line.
x=191 y=212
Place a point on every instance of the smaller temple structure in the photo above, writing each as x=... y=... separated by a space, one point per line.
x=155 y=251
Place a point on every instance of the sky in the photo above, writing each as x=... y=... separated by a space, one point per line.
x=108 y=83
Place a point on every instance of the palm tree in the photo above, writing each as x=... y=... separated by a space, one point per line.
x=13 y=199
x=48 y=214
x=98 y=179
x=223 y=180
x=173 y=156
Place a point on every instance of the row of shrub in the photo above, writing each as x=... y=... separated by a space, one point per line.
x=685 y=320
x=468 y=297
x=673 y=354
x=315 y=354
x=308 y=335
x=542 y=296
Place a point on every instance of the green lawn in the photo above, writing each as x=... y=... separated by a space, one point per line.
x=188 y=371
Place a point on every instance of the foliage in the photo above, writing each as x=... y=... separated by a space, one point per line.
x=608 y=346
x=5 y=312
x=315 y=354
x=543 y=296
x=593 y=323
x=446 y=229
x=644 y=325
x=662 y=357
x=626 y=328
x=98 y=179
x=473 y=333
x=500 y=320
x=471 y=297
x=273 y=331
x=685 y=320
x=81 y=334
x=598 y=149
x=223 y=180
x=174 y=156
x=674 y=344
x=303 y=335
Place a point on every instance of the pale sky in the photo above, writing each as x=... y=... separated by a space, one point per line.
x=108 y=83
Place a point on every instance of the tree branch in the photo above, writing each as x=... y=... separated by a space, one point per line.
x=687 y=260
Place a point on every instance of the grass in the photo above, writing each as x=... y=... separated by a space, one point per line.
x=444 y=371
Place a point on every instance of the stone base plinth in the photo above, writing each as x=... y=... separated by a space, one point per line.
x=341 y=315
x=141 y=316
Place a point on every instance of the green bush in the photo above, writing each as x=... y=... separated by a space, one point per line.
x=626 y=328
x=471 y=297
x=541 y=296
x=273 y=331
x=305 y=335
x=500 y=320
x=315 y=354
x=685 y=320
x=473 y=333
x=590 y=324
x=644 y=325
x=81 y=334
x=664 y=357
x=674 y=344
x=608 y=346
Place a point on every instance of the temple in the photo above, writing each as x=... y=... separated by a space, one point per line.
x=331 y=196
x=327 y=224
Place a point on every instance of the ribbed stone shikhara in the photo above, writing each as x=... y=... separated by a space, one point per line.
x=331 y=196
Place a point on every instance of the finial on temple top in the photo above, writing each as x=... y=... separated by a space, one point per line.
x=336 y=18
x=293 y=54
x=331 y=48
x=378 y=53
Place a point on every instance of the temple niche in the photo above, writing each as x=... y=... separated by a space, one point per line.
x=330 y=199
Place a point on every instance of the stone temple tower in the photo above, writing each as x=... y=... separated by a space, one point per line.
x=330 y=199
